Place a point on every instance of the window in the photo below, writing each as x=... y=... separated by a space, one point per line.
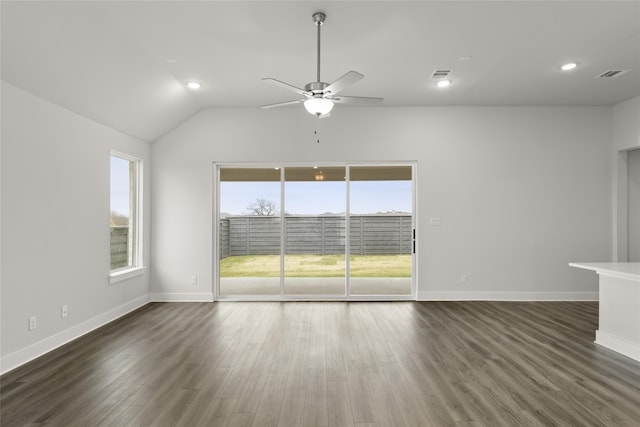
x=125 y=219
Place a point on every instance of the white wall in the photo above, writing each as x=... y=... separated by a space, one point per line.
x=520 y=191
x=626 y=125
x=625 y=137
x=633 y=191
x=55 y=233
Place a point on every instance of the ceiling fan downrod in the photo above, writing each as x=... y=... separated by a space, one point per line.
x=318 y=19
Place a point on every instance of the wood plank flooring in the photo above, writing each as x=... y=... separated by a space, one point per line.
x=332 y=364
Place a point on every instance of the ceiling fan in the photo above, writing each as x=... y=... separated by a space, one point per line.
x=319 y=97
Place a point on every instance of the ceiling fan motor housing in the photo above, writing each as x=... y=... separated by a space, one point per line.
x=317 y=88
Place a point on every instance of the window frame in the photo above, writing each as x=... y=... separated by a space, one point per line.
x=137 y=267
x=216 y=202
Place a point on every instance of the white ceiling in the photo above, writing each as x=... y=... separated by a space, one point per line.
x=108 y=60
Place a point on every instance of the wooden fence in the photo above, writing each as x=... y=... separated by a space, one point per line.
x=321 y=235
x=119 y=247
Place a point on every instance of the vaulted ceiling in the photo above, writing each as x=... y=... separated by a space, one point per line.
x=125 y=64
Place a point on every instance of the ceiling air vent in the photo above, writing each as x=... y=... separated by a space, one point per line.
x=611 y=74
x=441 y=74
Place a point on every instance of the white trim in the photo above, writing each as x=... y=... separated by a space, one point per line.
x=121 y=275
x=617 y=344
x=181 y=297
x=277 y=298
x=125 y=156
x=215 y=229
x=507 y=296
x=415 y=237
x=347 y=231
x=283 y=230
x=35 y=350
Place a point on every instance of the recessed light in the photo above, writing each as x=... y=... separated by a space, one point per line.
x=569 y=66
x=443 y=83
x=193 y=85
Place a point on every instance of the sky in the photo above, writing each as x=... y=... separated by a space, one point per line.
x=302 y=198
x=311 y=198
x=120 y=185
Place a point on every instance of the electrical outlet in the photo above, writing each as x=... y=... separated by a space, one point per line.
x=64 y=311
x=194 y=280
x=435 y=222
x=33 y=323
x=463 y=278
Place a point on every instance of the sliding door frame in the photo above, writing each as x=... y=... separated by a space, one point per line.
x=217 y=166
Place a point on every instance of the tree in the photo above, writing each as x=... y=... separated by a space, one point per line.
x=118 y=219
x=262 y=207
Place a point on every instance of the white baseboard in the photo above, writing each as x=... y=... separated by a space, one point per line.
x=507 y=296
x=181 y=297
x=617 y=344
x=24 y=355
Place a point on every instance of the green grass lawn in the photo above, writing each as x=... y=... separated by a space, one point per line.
x=316 y=266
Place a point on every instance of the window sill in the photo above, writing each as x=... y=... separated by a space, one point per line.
x=119 y=276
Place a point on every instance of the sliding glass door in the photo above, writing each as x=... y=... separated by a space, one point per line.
x=314 y=235
x=249 y=231
x=283 y=232
x=381 y=230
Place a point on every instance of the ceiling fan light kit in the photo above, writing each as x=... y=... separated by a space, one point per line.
x=319 y=97
x=318 y=106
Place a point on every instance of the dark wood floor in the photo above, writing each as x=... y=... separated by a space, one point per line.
x=332 y=364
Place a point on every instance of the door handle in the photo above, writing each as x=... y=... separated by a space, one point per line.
x=414 y=240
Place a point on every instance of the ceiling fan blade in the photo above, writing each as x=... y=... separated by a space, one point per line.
x=282 y=104
x=287 y=86
x=348 y=79
x=362 y=100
